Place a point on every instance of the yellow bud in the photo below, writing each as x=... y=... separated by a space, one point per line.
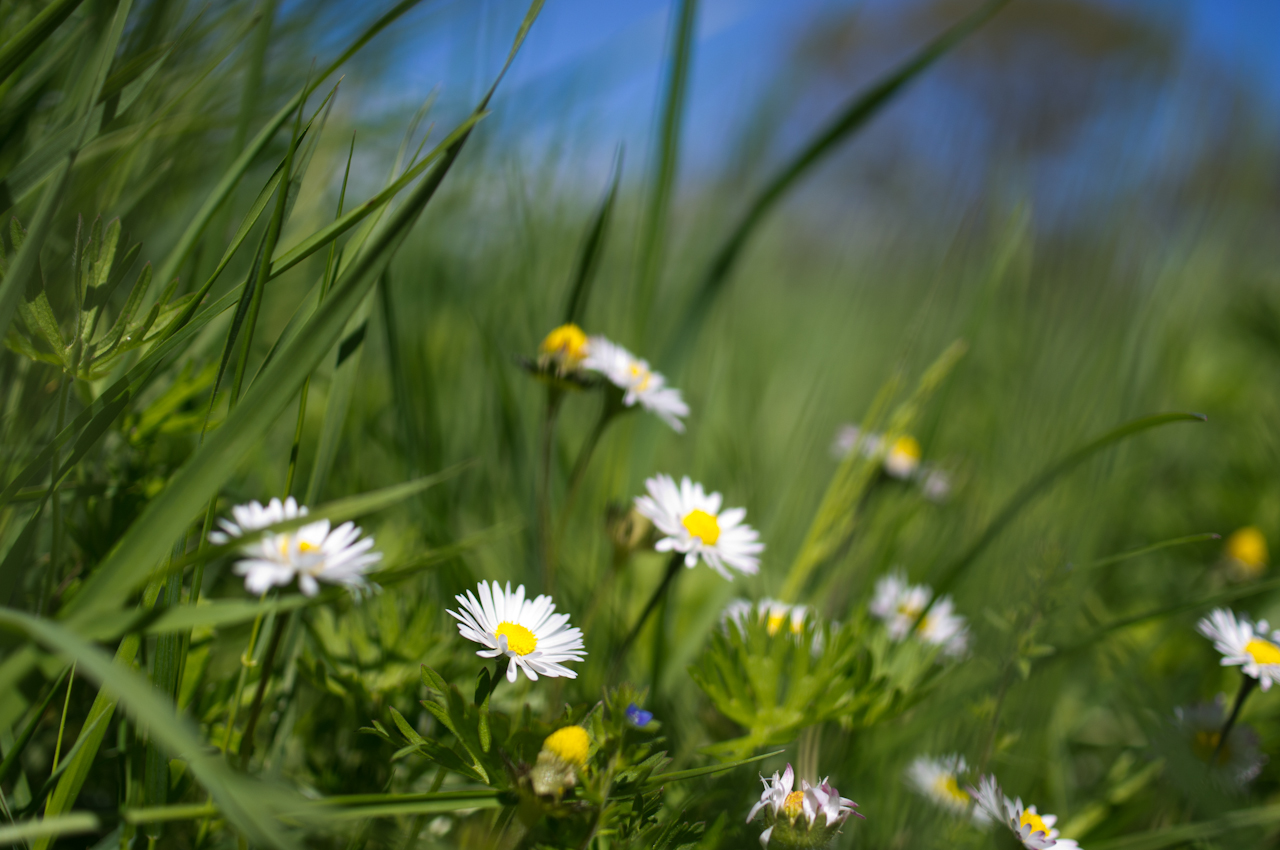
x=569 y=744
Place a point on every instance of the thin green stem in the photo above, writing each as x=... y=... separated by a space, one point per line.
x=546 y=544
x=579 y=471
x=246 y=662
x=673 y=569
x=62 y=725
x=55 y=514
x=1246 y=688
x=268 y=661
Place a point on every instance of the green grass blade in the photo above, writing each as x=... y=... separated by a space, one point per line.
x=1111 y=560
x=29 y=728
x=653 y=236
x=145 y=542
x=855 y=115
x=249 y=805
x=19 y=48
x=1041 y=483
x=187 y=242
x=74 y=823
x=680 y=775
x=1192 y=833
x=341 y=390
x=592 y=250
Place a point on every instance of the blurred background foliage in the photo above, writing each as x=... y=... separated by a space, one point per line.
x=1082 y=192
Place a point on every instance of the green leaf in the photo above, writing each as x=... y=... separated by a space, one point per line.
x=74 y=823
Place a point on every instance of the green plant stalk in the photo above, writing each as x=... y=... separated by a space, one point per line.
x=62 y=723
x=546 y=541
x=255 y=709
x=20 y=48
x=166 y=674
x=326 y=282
x=55 y=506
x=29 y=729
x=673 y=569
x=246 y=662
x=1246 y=688
x=612 y=407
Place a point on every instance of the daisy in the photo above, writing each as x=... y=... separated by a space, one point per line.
x=1238 y=762
x=566 y=347
x=693 y=524
x=903 y=457
x=1029 y=827
x=313 y=553
x=527 y=631
x=795 y=812
x=1241 y=642
x=637 y=381
x=777 y=614
x=899 y=604
x=739 y=613
x=901 y=460
x=938 y=779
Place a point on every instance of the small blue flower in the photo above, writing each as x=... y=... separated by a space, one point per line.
x=638 y=716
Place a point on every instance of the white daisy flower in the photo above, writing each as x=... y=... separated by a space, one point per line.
x=313 y=552
x=1254 y=647
x=639 y=383
x=1239 y=761
x=898 y=604
x=939 y=780
x=1034 y=830
x=795 y=812
x=778 y=614
x=693 y=524
x=528 y=631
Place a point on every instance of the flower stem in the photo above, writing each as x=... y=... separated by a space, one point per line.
x=268 y=661
x=580 y=464
x=1246 y=688
x=673 y=568
x=545 y=545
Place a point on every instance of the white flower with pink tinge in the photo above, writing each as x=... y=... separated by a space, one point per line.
x=637 y=381
x=1033 y=829
x=312 y=553
x=791 y=814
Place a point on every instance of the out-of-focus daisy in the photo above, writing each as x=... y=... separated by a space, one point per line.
x=565 y=347
x=809 y=816
x=695 y=525
x=563 y=754
x=312 y=553
x=898 y=603
x=1253 y=647
x=529 y=632
x=1239 y=761
x=779 y=615
x=901 y=459
x=638 y=382
x=1030 y=827
x=939 y=780
x=1245 y=553
x=737 y=613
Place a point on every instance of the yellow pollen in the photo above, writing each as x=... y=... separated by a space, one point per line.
x=1263 y=651
x=1031 y=819
x=702 y=525
x=569 y=744
x=1249 y=547
x=636 y=371
x=520 y=640
x=946 y=786
x=793 y=805
x=567 y=342
x=906 y=446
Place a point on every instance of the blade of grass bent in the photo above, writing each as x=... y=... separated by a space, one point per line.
x=862 y=109
x=145 y=542
x=1040 y=484
x=248 y=805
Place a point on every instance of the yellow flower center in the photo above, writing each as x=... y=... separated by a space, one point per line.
x=567 y=342
x=774 y=623
x=1204 y=742
x=793 y=805
x=569 y=744
x=637 y=371
x=906 y=447
x=1249 y=547
x=520 y=640
x=945 y=786
x=1263 y=651
x=1033 y=820
x=702 y=525
x=303 y=546
x=908 y=609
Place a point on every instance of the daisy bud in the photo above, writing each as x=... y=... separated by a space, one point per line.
x=563 y=753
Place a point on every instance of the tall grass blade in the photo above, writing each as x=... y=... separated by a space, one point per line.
x=853 y=117
x=592 y=250
x=25 y=43
x=75 y=823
